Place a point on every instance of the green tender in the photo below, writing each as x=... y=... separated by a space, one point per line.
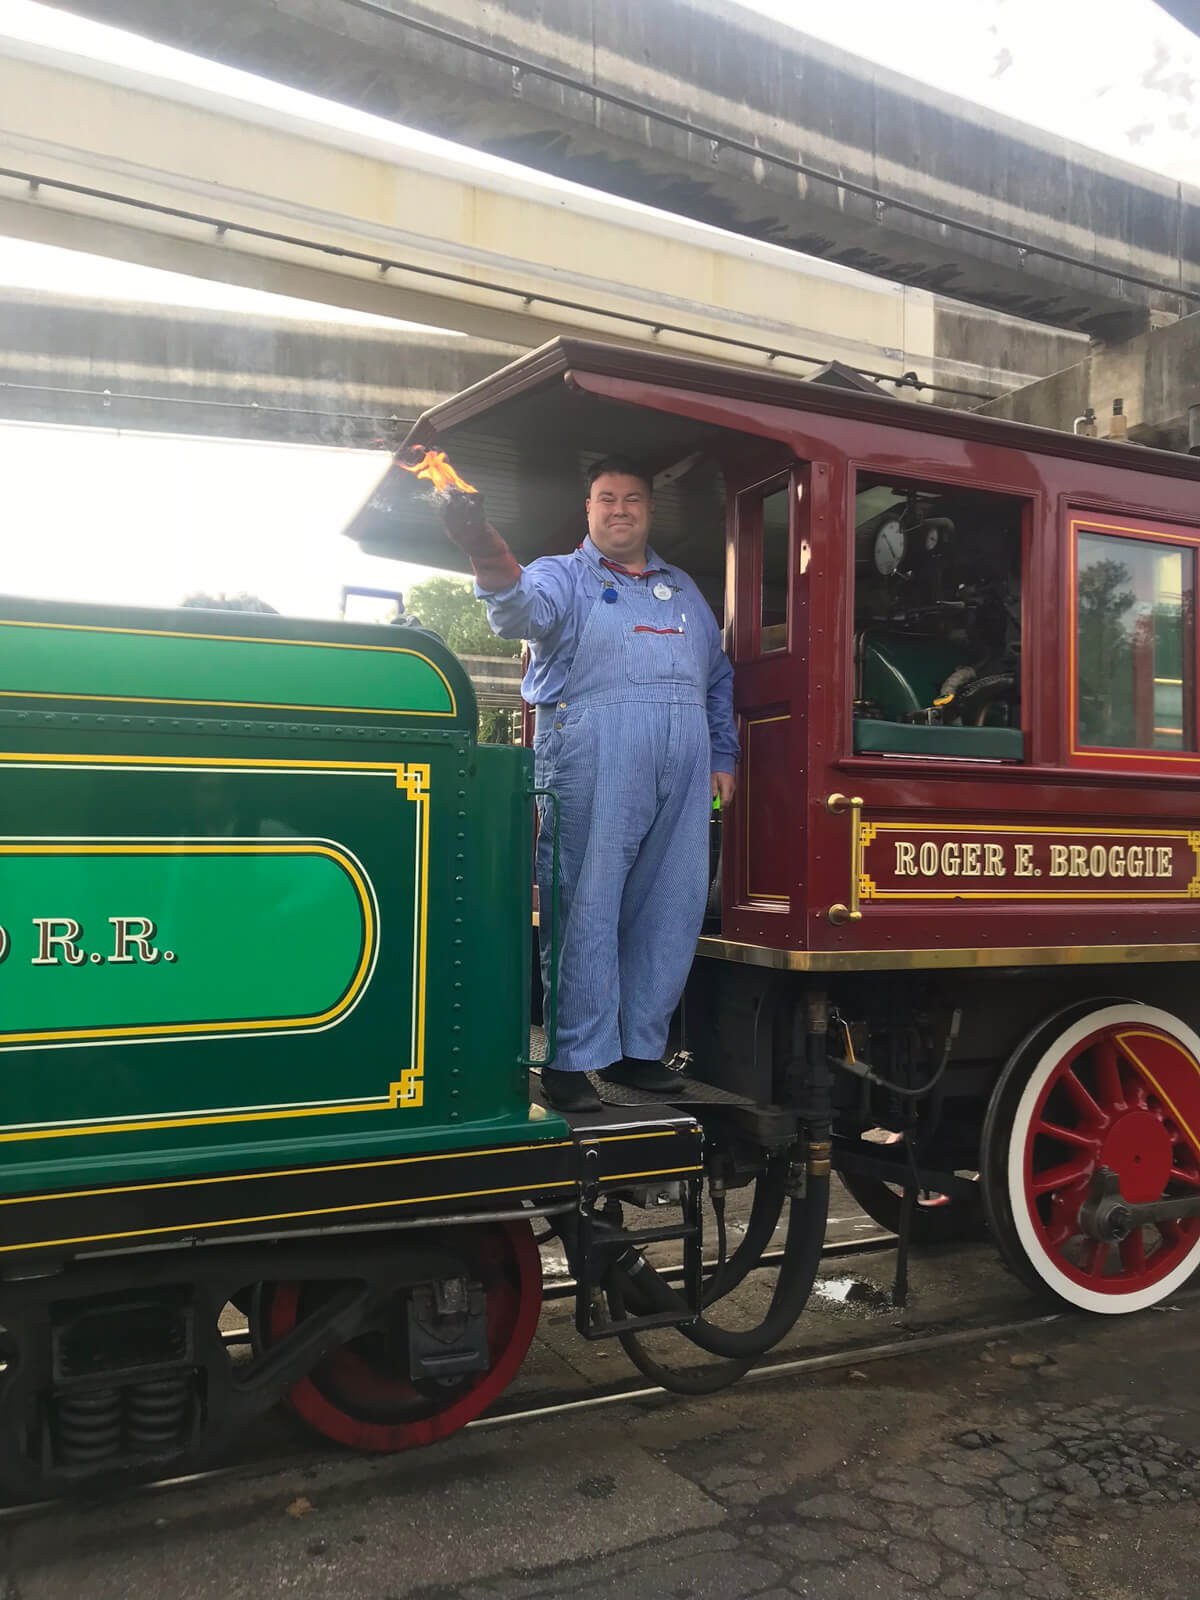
x=243 y=942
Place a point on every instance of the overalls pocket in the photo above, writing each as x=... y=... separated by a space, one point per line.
x=656 y=651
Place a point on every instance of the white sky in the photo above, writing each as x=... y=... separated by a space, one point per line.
x=103 y=515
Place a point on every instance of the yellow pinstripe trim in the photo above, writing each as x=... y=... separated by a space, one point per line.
x=661 y=1172
x=287 y=1216
x=229 y=638
x=155 y=1030
x=870 y=891
x=408 y=1092
x=37 y=757
x=286 y=1172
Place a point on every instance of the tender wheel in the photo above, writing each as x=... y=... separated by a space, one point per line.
x=1114 y=1086
x=361 y=1394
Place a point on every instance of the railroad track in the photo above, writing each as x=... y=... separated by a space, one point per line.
x=540 y=1408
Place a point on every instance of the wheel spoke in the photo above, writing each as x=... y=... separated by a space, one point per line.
x=1095 y=1258
x=1071 y=1136
x=1060 y=1230
x=1108 y=1072
x=1060 y=1177
x=1133 y=1252
x=1081 y=1096
x=1181 y=1175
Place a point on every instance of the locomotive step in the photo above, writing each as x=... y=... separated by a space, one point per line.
x=690 y=1092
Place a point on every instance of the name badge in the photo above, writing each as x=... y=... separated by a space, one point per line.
x=661 y=592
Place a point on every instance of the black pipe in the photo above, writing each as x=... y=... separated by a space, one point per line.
x=769 y=1194
x=807 y=1220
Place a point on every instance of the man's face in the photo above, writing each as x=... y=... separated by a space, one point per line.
x=619 y=514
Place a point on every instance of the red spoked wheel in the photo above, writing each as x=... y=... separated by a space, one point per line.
x=1115 y=1086
x=361 y=1394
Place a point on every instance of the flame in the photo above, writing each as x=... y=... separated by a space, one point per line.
x=435 y=469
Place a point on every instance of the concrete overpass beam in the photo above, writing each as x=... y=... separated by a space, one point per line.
x=1156 y=376
x=761 y=84
x=135 y=165
x=174 y=369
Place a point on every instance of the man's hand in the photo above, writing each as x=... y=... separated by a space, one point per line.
x=493 y=563
x=463 y=518
x=723 y=786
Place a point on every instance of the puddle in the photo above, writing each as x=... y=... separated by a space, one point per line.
x=855 y=1294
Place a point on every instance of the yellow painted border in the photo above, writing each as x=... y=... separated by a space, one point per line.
x=757 y=894
x=869 y=891
x=223 y=848
x=408 y=1092
x=1185 y=760
x=230 y=638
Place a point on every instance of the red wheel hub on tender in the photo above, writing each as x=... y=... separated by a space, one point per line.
x=361 y=1395
x=1125 y=1097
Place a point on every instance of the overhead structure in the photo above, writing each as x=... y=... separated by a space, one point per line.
x=1153 y=380
x=706 y=109
x=132 y=164
x=178 y=369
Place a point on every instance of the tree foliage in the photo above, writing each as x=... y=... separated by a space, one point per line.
x=449 y=607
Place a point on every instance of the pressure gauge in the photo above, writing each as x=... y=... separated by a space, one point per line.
x=933 y=540
x=890 y=545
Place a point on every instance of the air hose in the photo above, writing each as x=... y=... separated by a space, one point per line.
x=765 y=1211
x=640 y=1284
x=769 y=1195
x=634 y=1280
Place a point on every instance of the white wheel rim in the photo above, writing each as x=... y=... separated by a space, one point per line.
x=1115 y=1302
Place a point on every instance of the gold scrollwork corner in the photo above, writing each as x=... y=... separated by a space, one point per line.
x=413 y=778
x=410 y=1091
x=866 y=887
x=1193 y=888
x=867 y=832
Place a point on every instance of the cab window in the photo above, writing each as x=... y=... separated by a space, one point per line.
x=937 y=621
x=1134 y=642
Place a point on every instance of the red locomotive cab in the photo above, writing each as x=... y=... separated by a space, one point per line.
x=964 y=853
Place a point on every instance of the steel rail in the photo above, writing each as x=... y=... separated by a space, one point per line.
x=852 y=1356
x=528 y=298
x=718 y=141
x=565 y=1288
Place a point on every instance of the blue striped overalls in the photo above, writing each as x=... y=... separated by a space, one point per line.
x=627 y=751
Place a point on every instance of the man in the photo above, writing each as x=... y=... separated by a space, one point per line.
x=635 y=734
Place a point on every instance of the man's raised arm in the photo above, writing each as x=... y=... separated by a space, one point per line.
x=522 y=602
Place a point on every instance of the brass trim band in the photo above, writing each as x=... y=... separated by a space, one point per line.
x=1087 y=955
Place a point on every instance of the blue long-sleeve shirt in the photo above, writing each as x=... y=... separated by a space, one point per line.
x=549 y=605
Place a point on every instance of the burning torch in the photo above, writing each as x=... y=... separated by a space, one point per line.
x=460 y=506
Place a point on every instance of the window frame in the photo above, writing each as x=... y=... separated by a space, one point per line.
x=793 y=480
x=1028 y=503
x=1145 y=530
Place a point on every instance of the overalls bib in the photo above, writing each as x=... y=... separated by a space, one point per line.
x=627 y=751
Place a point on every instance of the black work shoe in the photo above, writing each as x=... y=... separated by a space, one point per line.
x=569 y=1091
x=651 y=1076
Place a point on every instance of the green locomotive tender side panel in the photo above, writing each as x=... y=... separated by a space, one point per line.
x=214 y=663
x=233 y=946
x=296 y=954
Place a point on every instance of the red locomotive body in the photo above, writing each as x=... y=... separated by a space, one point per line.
x=967 y=832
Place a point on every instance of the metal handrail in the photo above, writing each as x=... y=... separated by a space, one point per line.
x=550 y=992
